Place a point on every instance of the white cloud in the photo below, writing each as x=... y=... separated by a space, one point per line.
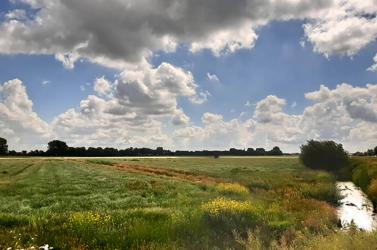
x=215 y=134
x=269 y=109
x=373 y=68
x=180 y=118
x=17 y=117
x=17 y=14
x=346 y=114
x=97 y=31
x=227 y=41
x=136 y=116
x=213 y=77
x=154 y=91
x=102 y=86
x=343 y=29
x=68 y=60
x=46 y=82
x=200 y=98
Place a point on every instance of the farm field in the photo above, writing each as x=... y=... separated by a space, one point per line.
x=170 y=203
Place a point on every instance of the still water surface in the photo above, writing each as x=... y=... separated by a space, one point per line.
x=355 y=206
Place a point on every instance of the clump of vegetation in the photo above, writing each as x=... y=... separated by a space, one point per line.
x=85 y=220
x=221 y=206
x=10 y=221
x=364 y=175
x=224 y=214
x=303 y=240
x=232 y=188
x=3 y=146
x=326 y=155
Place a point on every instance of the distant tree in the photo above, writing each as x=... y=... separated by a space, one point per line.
x=216 y=155
x=275 y=151
x=375 y=150
x=57 y=148
x=260 y=151
x=370 y=152
x=250 y=151
x=358 y=153
x=3 y=146
x=159 y=151
x=326 y=155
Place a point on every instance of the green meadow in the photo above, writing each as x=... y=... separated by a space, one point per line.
x=170 y=203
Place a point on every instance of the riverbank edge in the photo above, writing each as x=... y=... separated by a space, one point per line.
x=362 y=171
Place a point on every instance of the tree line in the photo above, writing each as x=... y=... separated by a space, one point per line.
x=369 y=152
x=60 y=148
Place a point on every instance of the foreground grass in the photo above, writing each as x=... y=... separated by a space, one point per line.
x=191 y=203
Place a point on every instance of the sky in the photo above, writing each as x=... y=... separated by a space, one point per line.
x=187 y=74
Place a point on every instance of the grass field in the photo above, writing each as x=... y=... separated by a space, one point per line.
x=172 y=203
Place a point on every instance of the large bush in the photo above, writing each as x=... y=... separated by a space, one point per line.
x=326 y=155
x=3 y=146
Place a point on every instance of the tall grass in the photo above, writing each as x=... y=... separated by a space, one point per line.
x=81 y=204
x=364 y=175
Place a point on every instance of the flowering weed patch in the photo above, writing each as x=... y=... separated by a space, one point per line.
x=222 y=213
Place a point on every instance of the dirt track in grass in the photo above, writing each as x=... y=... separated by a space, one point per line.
x=171 y=173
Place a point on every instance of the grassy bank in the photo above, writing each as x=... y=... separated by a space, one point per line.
x=363 y=172
x=190 y=203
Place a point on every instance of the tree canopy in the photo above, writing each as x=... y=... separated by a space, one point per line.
x=3 y=146
x=57 y=147
x=326 y=155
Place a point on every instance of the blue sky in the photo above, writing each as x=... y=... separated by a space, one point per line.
x=286 y=61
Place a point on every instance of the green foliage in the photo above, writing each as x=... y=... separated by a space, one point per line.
x=3 y=146
x=57 y=147
x=360 y=177
x=10 y=221
x=326 y=155
x=364 y=175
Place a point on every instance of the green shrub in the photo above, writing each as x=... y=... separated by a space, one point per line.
x=326 y=155
x=372 y=191
x=360 y=177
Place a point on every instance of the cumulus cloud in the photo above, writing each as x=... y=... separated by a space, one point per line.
x=137 y=103
x=344 y=29
x=154 y=91
x=17 y=118
x=227 y=41
x=346 y=114
x=118 y=33
x=115 y=33
x=180 y=118
x=214 y=134
x=102 y=86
